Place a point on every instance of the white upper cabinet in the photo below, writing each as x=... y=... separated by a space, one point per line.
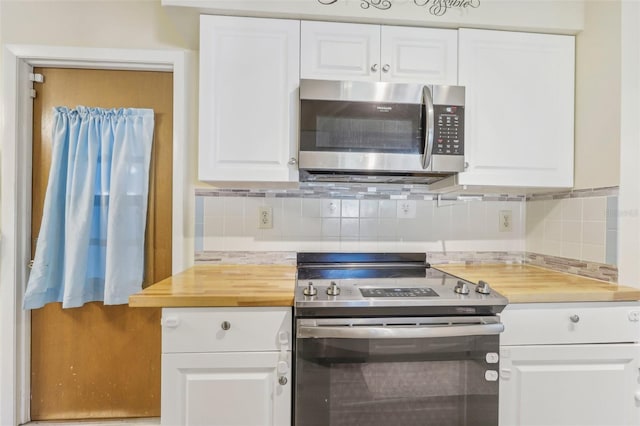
x=519 y=108
x=249 y=79
x=361 y=52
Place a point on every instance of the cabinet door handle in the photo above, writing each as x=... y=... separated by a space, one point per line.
x=282 y=380
x=292 y=161
x=226 y=325
x=171 y=322
x=386 y=67
x=574 y=318
x=374 y=67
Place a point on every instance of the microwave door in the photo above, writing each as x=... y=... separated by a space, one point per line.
x=429 y=125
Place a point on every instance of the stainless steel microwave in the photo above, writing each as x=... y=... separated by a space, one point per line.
x=380 y=132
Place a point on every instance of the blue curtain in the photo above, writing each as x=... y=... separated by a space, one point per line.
x=91 y=241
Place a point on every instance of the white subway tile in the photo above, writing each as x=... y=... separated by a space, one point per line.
x=311 y=228
x=388 y=209
x=233 y=226
x=212 y=226
x=311 y=207
x=213 y=206
x=349 y=227
x=368 y=229
x=553 y=230
x=595 y=208
x=233 y=206
x=387 y=228
x=292 y=208
x=553 y=209
x=571 y=250
x=369 y=208
x=572 y=231
x=331 y=228
x=571 y=208
x=594 y=232
x=350 y=208
x=593 y=253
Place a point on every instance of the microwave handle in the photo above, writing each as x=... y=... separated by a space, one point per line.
x=429 y=125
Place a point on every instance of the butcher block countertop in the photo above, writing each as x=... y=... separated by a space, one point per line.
x=222 y=285
x=273 y=285
x=530 y=284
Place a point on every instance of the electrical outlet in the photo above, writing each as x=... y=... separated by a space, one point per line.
x=505 y=221
x=406 y=209
x=265 y=217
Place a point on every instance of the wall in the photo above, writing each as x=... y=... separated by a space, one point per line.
x=326 y=219
x=543 y=16
x=629 y=223
x=598 y=92
x=579 y=225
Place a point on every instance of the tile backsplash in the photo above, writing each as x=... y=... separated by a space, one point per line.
x=579 y=225
x=229 y=221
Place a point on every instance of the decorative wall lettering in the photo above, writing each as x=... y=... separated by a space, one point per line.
x=434 y=7
x=440 y=7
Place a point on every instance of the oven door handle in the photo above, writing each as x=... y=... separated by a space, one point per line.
x=429 y=126
x=412 y=332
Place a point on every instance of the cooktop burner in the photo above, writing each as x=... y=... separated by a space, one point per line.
x=361 y=284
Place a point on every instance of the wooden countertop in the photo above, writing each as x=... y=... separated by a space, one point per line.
x=222 y=285
x=529 y=284
x=274 y=285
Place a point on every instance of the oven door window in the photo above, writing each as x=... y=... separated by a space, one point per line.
x=400 y=382
x=339 y=126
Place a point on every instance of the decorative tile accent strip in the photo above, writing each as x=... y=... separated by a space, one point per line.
x=246 y=257
x=475 y=257
x=575 y=193
x=595 y=270
x=352 y=191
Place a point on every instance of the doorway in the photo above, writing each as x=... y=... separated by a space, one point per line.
x=102 y=361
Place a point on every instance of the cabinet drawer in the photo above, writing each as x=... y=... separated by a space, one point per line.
x=225 y=329
x=570 y=323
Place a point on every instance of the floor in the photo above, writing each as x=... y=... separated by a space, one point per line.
x=138 y=422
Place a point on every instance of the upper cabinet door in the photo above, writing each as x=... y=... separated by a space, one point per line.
x=519 y=108
x=249 y=79
x=337 y=51
x=421 y=55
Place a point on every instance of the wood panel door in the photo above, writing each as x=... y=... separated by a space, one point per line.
x=102 y=361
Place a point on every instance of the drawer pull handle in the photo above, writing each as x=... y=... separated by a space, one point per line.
x=226 y=325
x=574 y=318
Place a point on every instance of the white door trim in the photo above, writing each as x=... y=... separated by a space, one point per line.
x=15 y=188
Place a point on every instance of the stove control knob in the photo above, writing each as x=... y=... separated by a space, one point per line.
x=333 y=289
x=461 y=288
x=483 y=287
x=310 y=290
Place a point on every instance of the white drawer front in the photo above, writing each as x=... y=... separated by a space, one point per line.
x=570 y=323
x=225 y=329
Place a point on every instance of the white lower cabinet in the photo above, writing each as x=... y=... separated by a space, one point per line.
x=588 y=374
x=226 y=367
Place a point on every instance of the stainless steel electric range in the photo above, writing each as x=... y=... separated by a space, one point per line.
x=385 y=339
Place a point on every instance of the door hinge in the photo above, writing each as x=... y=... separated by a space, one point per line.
x=36 y=78
x=32 y=93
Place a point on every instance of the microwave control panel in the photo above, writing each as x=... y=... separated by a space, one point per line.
x=448 y=135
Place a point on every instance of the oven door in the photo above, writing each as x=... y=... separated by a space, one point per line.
x=397 y=371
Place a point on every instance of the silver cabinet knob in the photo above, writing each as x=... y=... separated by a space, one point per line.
x=483 y=287
x=374 y=67
x=282 y=380
x=461 y=288
x=292 y=161
x=333 y=289
x=310 y=290
x=386 y=67
x=574 y=318
x=226 y=325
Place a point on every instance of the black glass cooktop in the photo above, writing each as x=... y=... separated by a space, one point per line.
x=398 y=292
